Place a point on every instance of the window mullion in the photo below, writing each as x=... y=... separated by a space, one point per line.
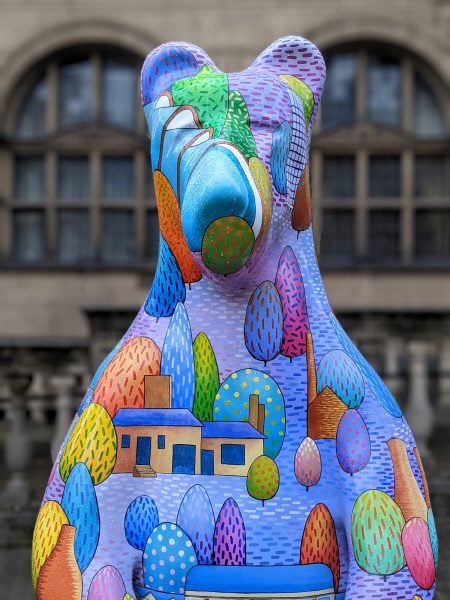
x=361 y=85
x=50 y=202
x=52 y=103
x=361 y=229
x=6 y=179
x=96 y=177
x=408 y=95
x=407 y=173
x=97 y=86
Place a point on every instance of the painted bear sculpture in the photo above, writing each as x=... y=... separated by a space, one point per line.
x=235 y=443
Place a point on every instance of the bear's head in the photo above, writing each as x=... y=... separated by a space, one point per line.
x=228 y=149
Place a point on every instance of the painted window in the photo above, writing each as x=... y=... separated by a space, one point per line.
x=125 y=441
x=161 y=442
x=233 y=454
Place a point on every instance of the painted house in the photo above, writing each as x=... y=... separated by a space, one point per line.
x=308 y=582
x=161 y=439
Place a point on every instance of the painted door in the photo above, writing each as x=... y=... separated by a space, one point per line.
x=207 y=462
x=143 y=451
x=183 y=460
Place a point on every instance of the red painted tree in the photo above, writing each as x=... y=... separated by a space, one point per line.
x=289 y=283
x=418 y=552
x=307 y=463
x=319 y=542
x=229 y=542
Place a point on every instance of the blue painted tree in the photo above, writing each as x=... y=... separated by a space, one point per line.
x=281 y=142
x=337 y=371
x=263 y=326
x=289 y=283
x=196 y=518
x=163 y=568
x=177 y=359
x=84 y=515
x=352 y=442
x=232 y=404
x=373 y=380
x=140 y=520
x=168 y=286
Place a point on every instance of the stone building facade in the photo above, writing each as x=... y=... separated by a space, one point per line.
x=78 y=227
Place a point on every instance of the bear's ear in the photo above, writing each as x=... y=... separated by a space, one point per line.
x=169 y=63
x=295 y=57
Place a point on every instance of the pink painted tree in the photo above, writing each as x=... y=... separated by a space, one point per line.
x=418 y=552
x=289 y=283
x=307 y=463
x=229 y=542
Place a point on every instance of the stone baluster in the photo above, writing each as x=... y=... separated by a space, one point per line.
x=419 y=411
x=37 y=398
x=17 y=442
x=63 y=387
x=392 y=365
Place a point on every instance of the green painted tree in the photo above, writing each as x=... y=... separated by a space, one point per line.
x=207 y=380
x=263 y=479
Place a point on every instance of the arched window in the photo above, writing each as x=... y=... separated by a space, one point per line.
x=79 y=189
x=381 y=160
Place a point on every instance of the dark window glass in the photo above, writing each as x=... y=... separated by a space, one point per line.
x=384 y=90
x=118 y=236
x=431 y=177
x=338 y=103
x=233 y=454
x=28 y=236
x=432 y=235
x=29 y=179
x=117 y=178
x=75 y=92
x=384 y=235
x=32 y=120
x=125 y=441
x=384 y=177
x=119 y=81
x=428 y=118
x=339 y=177
x=338 y=232
x=73 y=179
x=152 y=236
x=161 y=442
x=74 y=243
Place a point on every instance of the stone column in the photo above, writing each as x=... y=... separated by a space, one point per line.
x=17 y=442
x=37 y=396
x=419 y=411
x=63 y=387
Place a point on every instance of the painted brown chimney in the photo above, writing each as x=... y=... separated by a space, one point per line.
x=311 y=369
x=157 y=391
x=253 y=410
x=261 y=417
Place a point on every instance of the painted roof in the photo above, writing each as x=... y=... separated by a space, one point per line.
x=260 y=580
x=157 y=417
x=230 y=429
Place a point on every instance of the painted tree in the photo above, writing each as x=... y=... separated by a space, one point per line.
x=46 y=532
x=377 y=524
x=177 y=359
x=207 y=380
x=433 y=536
x=196 y=519
x=352 y=442
x=229 y=546
x=140 y=520
x=163 y=568
x=307 y=463
x=419 y=553
x=302 y=210
x=289 y=283
x=263 y=479
x=236 y=128
x=263 y=326
x=263 y=184
x=168 y=287
x=79 y=502
x=107 y=584
x=338 y=372
x=121 y=384
x=227 y=244
x=93 y=442
x=232 y=403
x=281 y=141
x=319 y=541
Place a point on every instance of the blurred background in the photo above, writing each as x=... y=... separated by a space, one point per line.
x=79 y=232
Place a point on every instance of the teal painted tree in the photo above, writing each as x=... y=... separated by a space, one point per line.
x=168 y=286
x=263 y=326
x=289 y=283
x=263 y=479
x=233 y=402
x=207 y=380
x=177 y=359
x=337 y=371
